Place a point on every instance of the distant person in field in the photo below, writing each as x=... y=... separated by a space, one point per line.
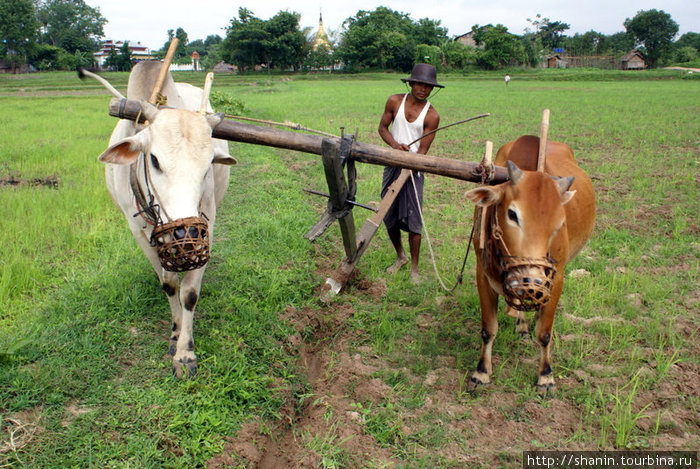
x=507 y=79
x=410 y=116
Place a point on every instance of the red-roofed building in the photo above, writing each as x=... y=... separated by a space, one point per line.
x=138 y=52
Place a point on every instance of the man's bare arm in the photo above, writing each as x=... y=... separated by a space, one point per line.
x=386 y=120
x=432 y=121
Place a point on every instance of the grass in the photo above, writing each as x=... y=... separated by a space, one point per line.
x=84 y=325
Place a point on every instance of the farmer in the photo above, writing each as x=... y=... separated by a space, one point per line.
x=410 y=116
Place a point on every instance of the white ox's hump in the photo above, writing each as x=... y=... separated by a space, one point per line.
x=142 y=81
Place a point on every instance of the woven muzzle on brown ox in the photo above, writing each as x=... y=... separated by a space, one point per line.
x=168 y=178
x=531 y=226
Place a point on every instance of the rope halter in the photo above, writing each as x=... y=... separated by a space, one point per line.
x=182 y=244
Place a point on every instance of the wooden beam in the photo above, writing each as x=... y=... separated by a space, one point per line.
x=362 y=152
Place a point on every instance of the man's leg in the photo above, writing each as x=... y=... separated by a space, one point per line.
x=401 y=259
x=414 y=240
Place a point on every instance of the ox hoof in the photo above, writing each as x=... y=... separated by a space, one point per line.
x=475 y=382
x=546 y=390
x=185 y=368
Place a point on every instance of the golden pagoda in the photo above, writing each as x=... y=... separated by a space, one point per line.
x=321 y=38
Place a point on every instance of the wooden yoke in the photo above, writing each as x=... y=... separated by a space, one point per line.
x=359 y=152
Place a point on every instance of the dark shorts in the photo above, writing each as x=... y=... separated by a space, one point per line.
x=404 y=212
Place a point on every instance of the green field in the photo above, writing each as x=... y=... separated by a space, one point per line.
x=377 y=376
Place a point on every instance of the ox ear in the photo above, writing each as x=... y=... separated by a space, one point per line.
x=221 y=155
x=567 y=196
x=514 y=173
x=127 y=150
x=224 y=158
x=563 y=184
x=485 y=196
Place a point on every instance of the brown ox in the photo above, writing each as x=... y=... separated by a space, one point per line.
x=533 y=225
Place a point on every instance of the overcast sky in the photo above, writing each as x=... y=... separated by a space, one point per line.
x=148 y=21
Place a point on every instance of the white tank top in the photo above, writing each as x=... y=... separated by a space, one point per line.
x=405 y=132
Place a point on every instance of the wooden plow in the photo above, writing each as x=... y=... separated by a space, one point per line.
x=339 y=156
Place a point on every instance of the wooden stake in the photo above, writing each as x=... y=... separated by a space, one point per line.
x=487 y=161
x=164 y=70
x=544 y=129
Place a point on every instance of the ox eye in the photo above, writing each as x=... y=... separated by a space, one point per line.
x=512 y=216
x=154 y=162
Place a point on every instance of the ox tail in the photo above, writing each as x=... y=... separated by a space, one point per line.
x=82 y=73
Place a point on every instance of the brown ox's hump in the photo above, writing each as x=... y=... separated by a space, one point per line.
x=524 y=152
x=560 y=162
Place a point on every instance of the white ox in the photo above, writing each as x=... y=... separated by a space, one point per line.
x=183 y=174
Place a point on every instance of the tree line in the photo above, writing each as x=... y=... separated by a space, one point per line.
x=64 y=34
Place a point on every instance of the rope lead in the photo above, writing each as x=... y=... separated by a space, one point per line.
x=460 y=276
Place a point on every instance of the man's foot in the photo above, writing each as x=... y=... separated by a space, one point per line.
x=415 y=278
x=400 y=262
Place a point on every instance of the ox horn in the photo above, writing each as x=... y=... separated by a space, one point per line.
x=514 y=173
x=148 y=110
x=204 y=106
x=563 y=183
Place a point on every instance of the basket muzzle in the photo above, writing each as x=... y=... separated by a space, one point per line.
x=527 y=283
x=182 y=244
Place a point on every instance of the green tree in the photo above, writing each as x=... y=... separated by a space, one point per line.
x=286 y=43
x=428 y=54
x=121 y=60
x=246 y=41
x=181 y=50
x=550 y=33
x=320 y=58
x=458 y=56
x=427 y=31
x=385 y=39
x=112 y=60
x=532 y=47
x=71 y=24
x=18 y=28
x=323 y=56
x=621 y=43
x=589 y=43
x=501 y=48
x=45 y=56
x=197 y=46
x=276 y=43
x=655 y=29
x=685 y=54
x=689 y=40
x=211 y=40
